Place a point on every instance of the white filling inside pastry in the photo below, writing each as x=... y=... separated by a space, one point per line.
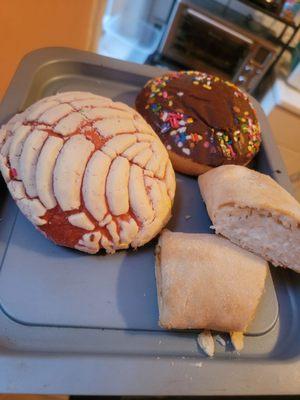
x=274 y=237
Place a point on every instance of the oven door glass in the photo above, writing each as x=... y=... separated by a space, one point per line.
x=200 y=40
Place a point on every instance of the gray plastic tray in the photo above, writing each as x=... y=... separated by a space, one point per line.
x=73 y=323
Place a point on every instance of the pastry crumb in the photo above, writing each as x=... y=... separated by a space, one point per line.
x=237 y=340
x=206 y=343
x=221 y=340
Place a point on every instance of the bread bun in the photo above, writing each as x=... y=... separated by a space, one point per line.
x=90 y=173
x=202 y=120
x=206 y=282
x=255 y=212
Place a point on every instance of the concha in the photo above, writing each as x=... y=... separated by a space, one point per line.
x=88 y=172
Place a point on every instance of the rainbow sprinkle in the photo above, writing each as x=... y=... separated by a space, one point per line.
x=176 y=124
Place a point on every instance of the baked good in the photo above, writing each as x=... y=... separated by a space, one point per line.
x=206 y=282
x=202 y=120
x=88 y=172
x=255 y=212
x=206 y=343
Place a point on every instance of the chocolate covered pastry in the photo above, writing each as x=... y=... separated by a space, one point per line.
x=202 y=120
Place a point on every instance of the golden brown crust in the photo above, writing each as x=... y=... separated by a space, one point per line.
x=244 y=187
x=206 y=282
x=187 y=166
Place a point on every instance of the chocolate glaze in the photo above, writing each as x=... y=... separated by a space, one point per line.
x=202 y=117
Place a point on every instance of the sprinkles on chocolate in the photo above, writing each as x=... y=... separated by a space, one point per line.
x=201 y=117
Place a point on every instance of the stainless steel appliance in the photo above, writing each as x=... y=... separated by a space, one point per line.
x=200 y=39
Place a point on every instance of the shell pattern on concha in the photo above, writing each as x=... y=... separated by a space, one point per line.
x=90 y=173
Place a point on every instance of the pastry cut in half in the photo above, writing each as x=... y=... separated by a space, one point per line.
x=88 y=172
x=255 y=212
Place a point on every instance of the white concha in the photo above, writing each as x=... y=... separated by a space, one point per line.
x=29 y=158
x=55 y=114
x=33 y=210
x=114 y=126
x=44 y=170
x=143 y=157
x=135 y=150
x=118 y=144
x=128 y=230
x=16 y=146
x=138 y=196
x=88 y=172
x=69 y=169
x=69 y=124
x=105 y=112
x=89 y=242
x=93 y=188
x=39 y=108
x=5 y=170
x=85 y=104
x=82 y=221
x=117 y=186
x=17 y=189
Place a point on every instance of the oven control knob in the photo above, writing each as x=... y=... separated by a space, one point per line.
x=248 y=68
x=242 y=78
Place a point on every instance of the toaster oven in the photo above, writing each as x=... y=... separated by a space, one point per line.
x=199 y=39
